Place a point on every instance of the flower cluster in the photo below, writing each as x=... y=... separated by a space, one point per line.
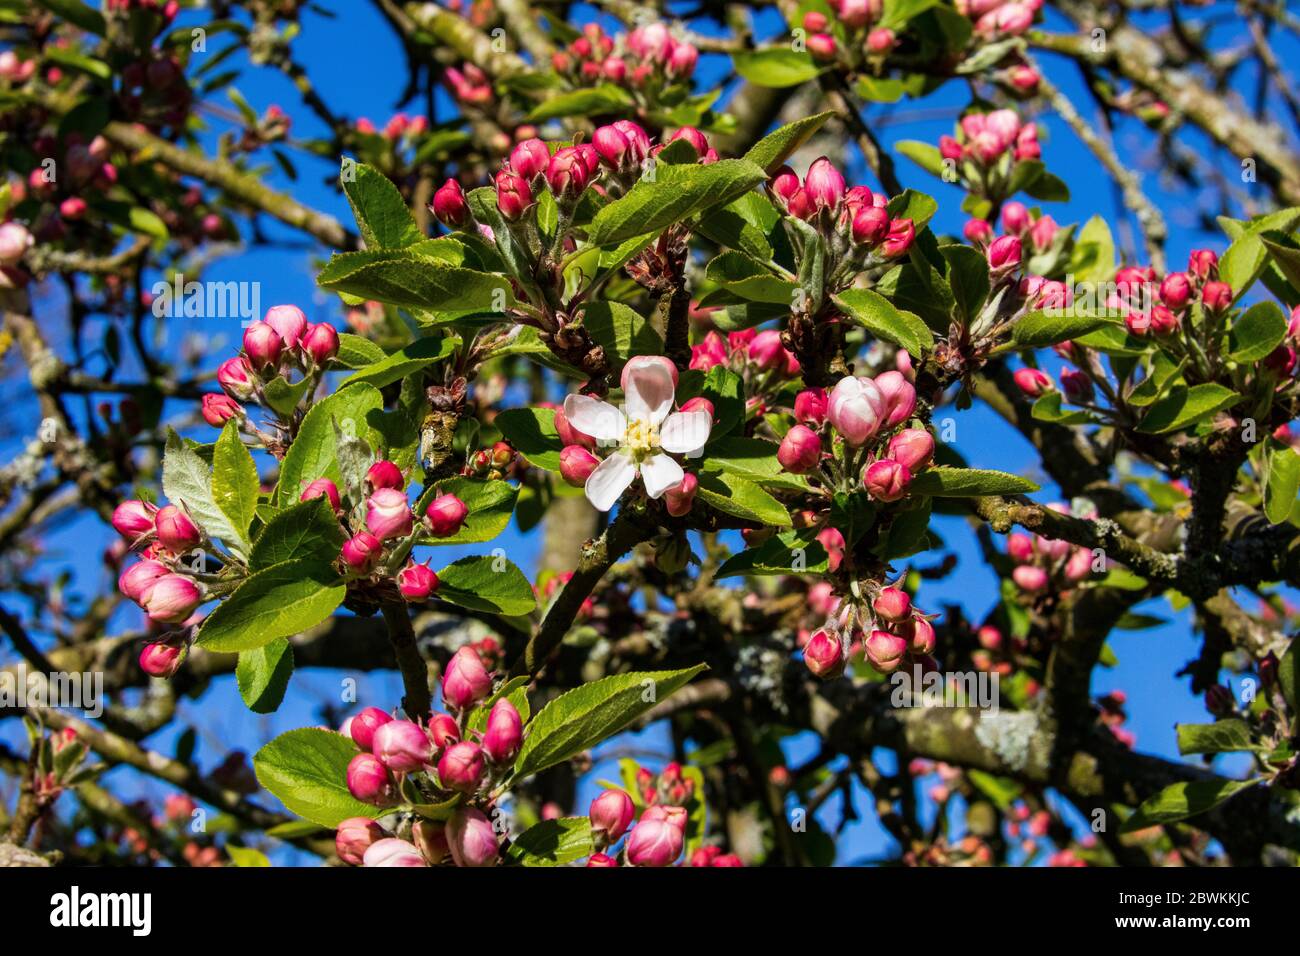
x=854 y=222
x=1043 y=564
x=646 y=59
x=888 y=629
x=855 y=23
x=999 y=18
x=443 y=759
x=986 y=150
x=643 y=438
x=282 y=344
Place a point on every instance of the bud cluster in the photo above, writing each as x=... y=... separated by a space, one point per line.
x=1047 y=564
x=649 y=60
x=850 y=36
x=987 y=148
x=1000 y=18
x=883 y=625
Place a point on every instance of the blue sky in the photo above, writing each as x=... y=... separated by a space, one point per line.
x=357 y=66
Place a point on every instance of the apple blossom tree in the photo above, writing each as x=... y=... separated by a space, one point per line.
x=643 y=283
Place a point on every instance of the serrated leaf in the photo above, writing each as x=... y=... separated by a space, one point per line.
x=591 y=101
x=776 y=67
x=235 y=485
x=777 y=146
x=280 y=601
x=1256 y=332
x=1039 y=330
x=187 y=480
x=307 y=530
x=487 y=583
x=1180 y=801
x=1185 y=406
x=945 y=482
x=791 y=552
x=741 y=497
x=490 y=504
x=532 y=433
x=881 y=318
x=1223 y=736
x=404 y=277
x=314 y=452
x=553 y=842
x=1282 y=483
x=382 y=215
x=307 y=770
x=418 y=355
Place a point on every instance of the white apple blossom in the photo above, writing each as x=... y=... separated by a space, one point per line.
x=646 y=436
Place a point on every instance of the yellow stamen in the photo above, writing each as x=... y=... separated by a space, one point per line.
x=642 y=437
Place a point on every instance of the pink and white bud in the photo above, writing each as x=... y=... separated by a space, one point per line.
x=881 y=40
x=217 y=409
x=1203 y=263
x=466 y=681
x=530 y=158
x=361 y=551
x=177 y=532
x=136 y=580
x=611 y=814
x=855 y=409
x=416 y=582
x=263 y=346
x=679 y=499
x=800 y=451
x=824 y=655
x=402 y=746
x=1029 y=577
x=887 y=480
x=977 y=231
x=1004 y=254
x=289 y=323
x=472 y=838
x=1176 y=290
x=902 y=233
x=577 y=464
x=824 y=184
x=1033 y=382
x=821 y=46
x=323 y=487
x=1015 y=218
x=1020 y=548
x=505 y=732
x=172 y=599
x=1043 y=232
x=885 y=651
x=235 y=376
x=391 y=851
x=363 y=726
x=912 y=447
x=514 y=195
x=134 y=519
x=898 y=397
x=354 y=836
x=893 y=605
x=462 y=767
x=443 y=731
x=15 y=240
x=445 y=516
x=388 y=514
x=613 y=147
x=161 y=660
x=810 y=406
x=638 y=141
x=368 y=780
x=693 y=136
x=655 y=841
x=321 y=342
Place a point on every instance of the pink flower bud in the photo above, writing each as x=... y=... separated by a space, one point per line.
x=136 y=580
x=1033 y=382
x=1138 y=323
x=682 y=60
x=391 y=851
x=289 y=323
x=472 y=838
x=177 y=532
x=881 y=40
x=1077 y=386
x=898 y=396
x=134 y=519
x=402 y=745
x=611 y=814
x=465 y=681
x=810 y=406
x=856 y=14
x=514 y=195
x=577 y=464
x=870 y=225
x=321 y=342
x=368 y=780
x=1004 y=253
x=887 y=480
x=912 y=447
x=1020 y=548
x=654 y=842
x=462 y=767
x=815 y=22
x=693 y=136
x=235 y=377
x=161 y=660
x=902 y=232
x=1203 y=263
x=568 y=172
x=949 y=148
x=784 y=184
x=1216 y=296
x=323 y=487
x=15 y=240
x=638 y=141
x=1043 y=232
x=355 y=835
x=530 y=158
x=388 y=514
x=172 y=599
x=833 y=542
x=445 y=515
x=824 y=655
x=709 y=353
x=385 y=474
x=361 y=551
x=698 y=404
x=416 y=582
x=824 y=184
x=1176 y=290
x=1024 y=78
x=855 y=409
x=1015 y=218
x=73 y=208
x=217 y=409
x=766 y=350
x=922 y=637
x=821 y=46
x=449 y=205
x=893 y=605
x=885 y=651
x=443 y=730
x=613 y=147
x=430 y=839
x=800 y=450
x=363 y=726
x=679 y=499
x=1029 y=577
x=505 y=732
x=601 y=860
x=263 y=346
x=1163 y=321
x=570 y=435
x=977 y=231
x=1079 y=566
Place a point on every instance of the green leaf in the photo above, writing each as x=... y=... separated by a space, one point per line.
x=418 y=355
x=968 y=277
x=925 y=155
x=592 y=101
x=945 y=482
x=776 y=67
x=1256 y=332
x=1288 y=674
x=78 y=14
x=307 y=770
x=791 y=552
x=235 y=485
x=777 y=146
x=515 y=690
x=1039 y=330
x=1182 y=800
x=1093 y=258
x=743 y=498
x=752 y=458
x=381 y=213
x=404 y=277
x=532 y=433
x=580 y=719
x=878 y=316
x=1224 y=736
x=305 y=531
x=749 y=279
x=1246 y=257
x=263 y=675
x=487 y=583
x=280 y=601
x=553 y=842
x=283 y=396
x=1185 y=406
x=244 y=856
x=1048 y=409
x=357 y=352
x=186 y=479
x=314 y=452
x=490 y=504
x=1283 y=481
x=621 y=331
x=677 y=193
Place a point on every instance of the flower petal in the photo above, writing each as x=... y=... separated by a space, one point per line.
x=659 y=474
x=601 y=420
x=610 y=480
x=685 y=432
x=648 y=391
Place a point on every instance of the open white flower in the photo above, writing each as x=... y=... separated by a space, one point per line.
x=646 y=436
